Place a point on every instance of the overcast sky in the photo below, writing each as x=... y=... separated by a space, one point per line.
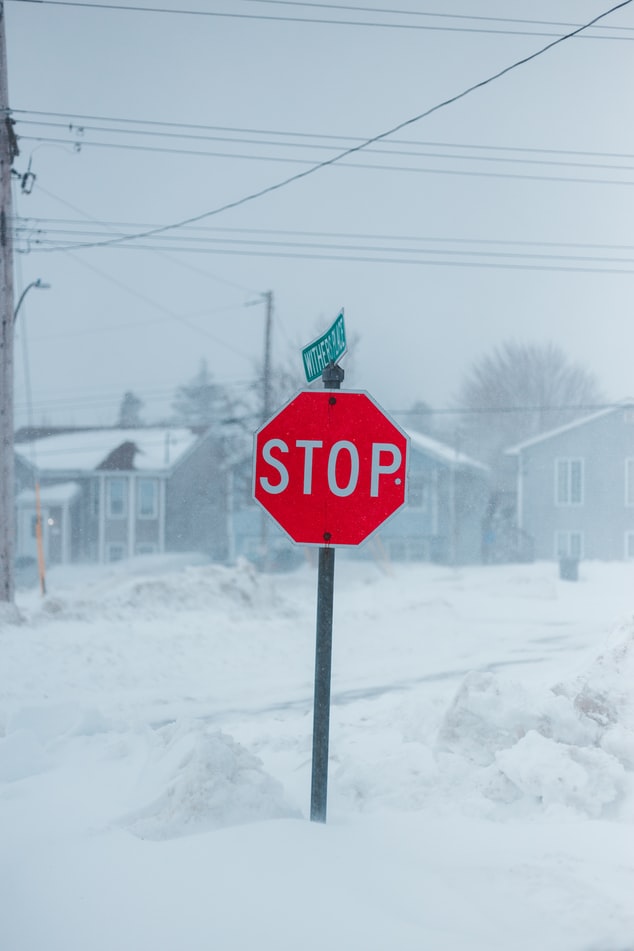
x=506 y=215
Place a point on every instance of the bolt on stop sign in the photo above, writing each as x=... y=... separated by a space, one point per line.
x=330 y=467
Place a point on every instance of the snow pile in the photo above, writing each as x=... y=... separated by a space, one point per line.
x=566 y=749
x=31 y=734
x=198 y=781
x=208 y=587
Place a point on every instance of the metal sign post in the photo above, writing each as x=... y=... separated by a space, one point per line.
x=332 y=377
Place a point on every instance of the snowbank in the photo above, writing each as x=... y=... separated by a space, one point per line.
x=569 y=748
x=198 y=781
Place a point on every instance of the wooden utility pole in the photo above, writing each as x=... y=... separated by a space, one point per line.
x=8 y=151
x=266 y=412
x=266 y=395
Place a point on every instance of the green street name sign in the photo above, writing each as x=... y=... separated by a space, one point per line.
x=324 y=350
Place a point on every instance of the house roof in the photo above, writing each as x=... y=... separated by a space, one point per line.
x=443 y=452
x=58 y=494
x=85 y=451
x=575 y=424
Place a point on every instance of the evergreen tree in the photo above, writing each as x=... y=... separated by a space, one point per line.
x=130 y=411
x=202 y=401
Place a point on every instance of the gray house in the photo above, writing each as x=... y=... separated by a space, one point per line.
x=446 y=502
x=448 y=494
x=575 y=487
x=108 y=494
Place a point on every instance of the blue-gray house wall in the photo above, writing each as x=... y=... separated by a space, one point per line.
x=598 y=519
x=442 y=521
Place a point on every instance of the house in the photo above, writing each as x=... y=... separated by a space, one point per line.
x=448 y=493
x=575 y=487
x=447 y=497
x=106 y=494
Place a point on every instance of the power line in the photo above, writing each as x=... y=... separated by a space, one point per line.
x=78 y=143
x=341 y=235
x=236 y=130
x=186 y=265
x=357 y=148
x=336 y=22
x=368 y=166
x=419 y=13
x=361 y=258
x=294 y=243
x=280 y=243
x=113 y=400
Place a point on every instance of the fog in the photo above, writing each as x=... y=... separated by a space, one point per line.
x=504 y=215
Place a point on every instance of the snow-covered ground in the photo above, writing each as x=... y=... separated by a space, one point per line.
x=155 y=757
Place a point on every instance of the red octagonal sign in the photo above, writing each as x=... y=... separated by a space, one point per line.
x=330 y=467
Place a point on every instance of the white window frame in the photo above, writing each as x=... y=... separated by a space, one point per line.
x=629 y=482
x=109 y=510
x=422 y=484
x=566 y=550
x=155 y=499
x=565 y=500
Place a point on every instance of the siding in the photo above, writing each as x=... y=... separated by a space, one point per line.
x=604 y=444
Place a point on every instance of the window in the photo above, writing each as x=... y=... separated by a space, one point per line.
x=569 y=544
x=115 y=552
x=145 y=548
x=629 y=545
x=418 y=493
x=117 y=498
x=629 y=482
x=147 y=498
x=569 y=482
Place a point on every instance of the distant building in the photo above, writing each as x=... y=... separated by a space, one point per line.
x=108 y=494
x=575 y=487
x=448 y=493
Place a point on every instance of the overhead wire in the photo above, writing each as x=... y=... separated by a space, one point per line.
x=237 y=130
x=324 y=21
x=296 y=232
x=346 y=246
x=368 y=166
x=78 y=143
x=359 y=147
x=420 y=13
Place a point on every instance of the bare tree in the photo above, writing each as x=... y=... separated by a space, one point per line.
x=519 y=390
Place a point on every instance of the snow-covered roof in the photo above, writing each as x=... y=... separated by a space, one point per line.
x=50 y=494
x=86 y=450
x=443 y=452
x=552 y=433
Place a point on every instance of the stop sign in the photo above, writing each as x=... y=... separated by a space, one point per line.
x=330 y=467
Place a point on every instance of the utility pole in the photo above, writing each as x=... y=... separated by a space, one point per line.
x=266 y=412
x=266 y=393
x=8 y=151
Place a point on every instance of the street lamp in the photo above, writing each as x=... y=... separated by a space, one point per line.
x=39 y=283
x=39 y=539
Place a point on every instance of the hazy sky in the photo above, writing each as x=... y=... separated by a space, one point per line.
x=506 y=215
